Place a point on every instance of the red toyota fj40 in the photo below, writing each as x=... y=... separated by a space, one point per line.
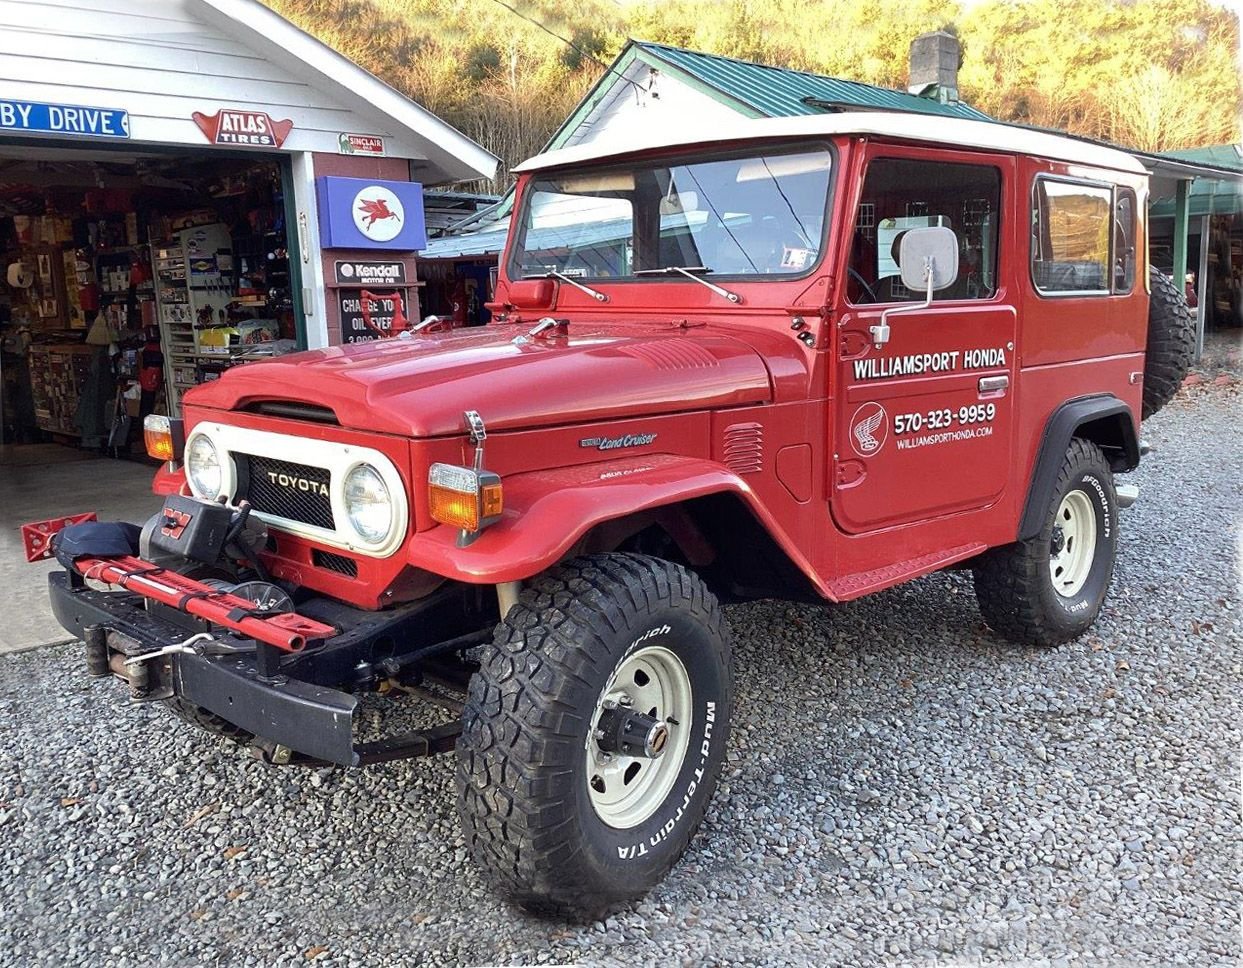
x=805 y=358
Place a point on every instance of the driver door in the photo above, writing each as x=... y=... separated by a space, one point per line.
x=924 y=422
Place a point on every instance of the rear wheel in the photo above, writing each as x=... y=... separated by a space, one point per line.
x=594 y=733
x=1049 y=588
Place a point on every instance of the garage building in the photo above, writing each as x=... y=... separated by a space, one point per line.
x=186 y=185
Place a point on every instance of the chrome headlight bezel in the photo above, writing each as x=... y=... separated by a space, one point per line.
x=378 y=487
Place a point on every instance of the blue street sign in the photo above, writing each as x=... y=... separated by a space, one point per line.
x=71 y=119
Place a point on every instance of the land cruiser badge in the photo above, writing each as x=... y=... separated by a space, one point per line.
x=615 y=443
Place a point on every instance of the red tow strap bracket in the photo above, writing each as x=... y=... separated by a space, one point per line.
x=287 y=631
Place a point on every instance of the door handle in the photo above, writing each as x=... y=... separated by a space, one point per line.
x=992 y=384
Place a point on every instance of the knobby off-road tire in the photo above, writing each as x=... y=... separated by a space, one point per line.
x=527 y=757
x=207 y=721
x=1043 y=591
x=1171 y=342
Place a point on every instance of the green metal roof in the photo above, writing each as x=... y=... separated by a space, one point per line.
x=1219 y=156
x=779 y=92
x=1208 y=196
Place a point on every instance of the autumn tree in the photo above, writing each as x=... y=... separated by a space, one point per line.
x=1148 y=74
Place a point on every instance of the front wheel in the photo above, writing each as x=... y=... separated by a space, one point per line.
x=594 y=733
x=1049 y=588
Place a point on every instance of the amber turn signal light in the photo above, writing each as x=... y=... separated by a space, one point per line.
x=463 y=497
x=164 y=437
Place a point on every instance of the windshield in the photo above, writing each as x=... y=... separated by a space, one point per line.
x=751 y=215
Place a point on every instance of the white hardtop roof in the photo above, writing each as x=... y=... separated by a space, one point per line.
x=454 y=156
x=958 y=132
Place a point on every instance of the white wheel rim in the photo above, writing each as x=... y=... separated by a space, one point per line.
x=627 y=790
x=1070 y=566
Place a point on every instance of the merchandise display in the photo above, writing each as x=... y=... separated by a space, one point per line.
x=124 y=284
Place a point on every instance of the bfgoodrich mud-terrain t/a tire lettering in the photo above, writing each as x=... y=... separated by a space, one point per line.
x=526 y=759
x=1048 y=589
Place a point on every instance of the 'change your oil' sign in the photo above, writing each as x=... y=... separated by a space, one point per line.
x=366 y=316
x=70 y=119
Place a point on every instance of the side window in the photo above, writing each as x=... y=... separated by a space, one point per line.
x=1071 y=228
x=900 y=194
x=1125 y=251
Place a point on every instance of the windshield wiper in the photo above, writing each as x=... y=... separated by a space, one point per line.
x=554 y=274
x=689 y=272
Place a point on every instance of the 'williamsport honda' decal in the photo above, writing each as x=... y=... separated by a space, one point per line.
x=880 y=368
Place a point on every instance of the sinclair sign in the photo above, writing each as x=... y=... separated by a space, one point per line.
x=247 y=129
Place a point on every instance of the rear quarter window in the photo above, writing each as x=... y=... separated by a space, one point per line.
x=1083 y=238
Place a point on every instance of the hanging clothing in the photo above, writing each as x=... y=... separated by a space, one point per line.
x=95 y=403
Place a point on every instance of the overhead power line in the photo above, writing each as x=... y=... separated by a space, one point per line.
x=568 y=43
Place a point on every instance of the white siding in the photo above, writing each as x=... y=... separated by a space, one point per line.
x=161 y=63
x=628 y=106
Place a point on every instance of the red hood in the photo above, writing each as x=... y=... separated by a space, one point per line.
x=419 y=387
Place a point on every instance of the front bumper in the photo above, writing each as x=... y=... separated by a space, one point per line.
x=313 y=720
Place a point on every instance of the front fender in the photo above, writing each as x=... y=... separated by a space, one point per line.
x=547 y=512
x=169 y=482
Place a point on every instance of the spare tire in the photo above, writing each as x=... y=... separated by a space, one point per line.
x=1171 y=342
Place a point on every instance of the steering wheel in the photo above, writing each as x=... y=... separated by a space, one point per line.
x=863 y=284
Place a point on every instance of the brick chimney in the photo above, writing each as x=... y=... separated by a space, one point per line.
x=935 y=57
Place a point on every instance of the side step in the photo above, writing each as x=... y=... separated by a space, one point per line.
x=865 y=582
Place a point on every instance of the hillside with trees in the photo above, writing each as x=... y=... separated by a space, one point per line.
x=1149 y=74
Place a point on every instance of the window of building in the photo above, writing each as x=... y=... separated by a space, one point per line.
x=900 y=194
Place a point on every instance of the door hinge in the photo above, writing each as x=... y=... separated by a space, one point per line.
x=850 y=472
x=853 y=344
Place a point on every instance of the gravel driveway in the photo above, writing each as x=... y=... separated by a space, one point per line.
x=902 y=788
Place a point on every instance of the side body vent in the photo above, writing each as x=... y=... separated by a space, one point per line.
x=744 y=448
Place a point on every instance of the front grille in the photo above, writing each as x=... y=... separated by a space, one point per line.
x=297 y=492
x=338 y=563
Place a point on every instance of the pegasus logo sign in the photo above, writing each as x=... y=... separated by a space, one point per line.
x=868 y=429
x=378 y=213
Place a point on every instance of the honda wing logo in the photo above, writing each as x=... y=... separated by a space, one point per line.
x=868 y=429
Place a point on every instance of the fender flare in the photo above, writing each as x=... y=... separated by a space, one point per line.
x=1103 y=419
x=547 y=512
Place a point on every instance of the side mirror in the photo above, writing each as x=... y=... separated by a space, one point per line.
x=927 y=261
x=928 y=258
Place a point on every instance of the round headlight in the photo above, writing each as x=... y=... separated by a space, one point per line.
x=368 y=503
x=203 y=468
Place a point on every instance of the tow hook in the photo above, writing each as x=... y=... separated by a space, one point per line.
x=622 y=730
